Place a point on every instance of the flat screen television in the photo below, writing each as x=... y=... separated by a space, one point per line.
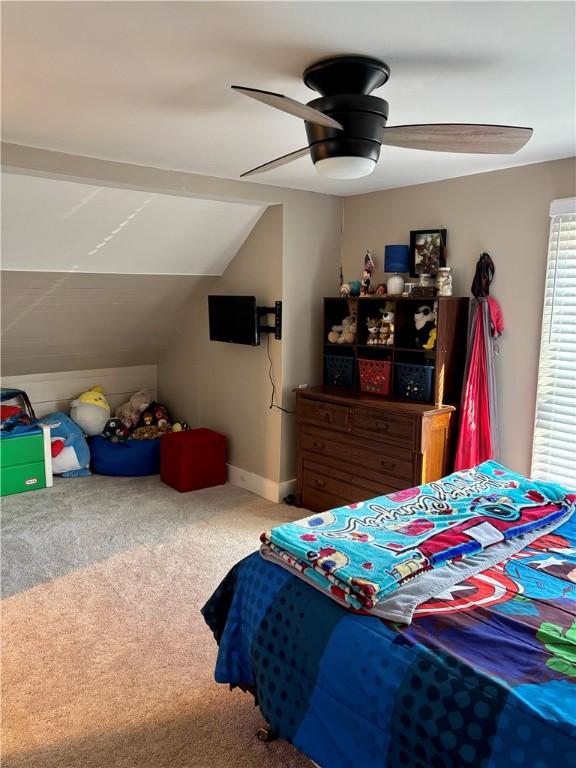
x=233 y=319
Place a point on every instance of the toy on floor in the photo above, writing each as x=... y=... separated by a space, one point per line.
x=70 y=452
x=115 y=430
x=91 y=411
x=151 y=431
x=155 y=415
x=131 y=412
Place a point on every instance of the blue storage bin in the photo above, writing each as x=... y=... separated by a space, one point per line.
x=339 y=371
x=414 y=381
x=134 y=458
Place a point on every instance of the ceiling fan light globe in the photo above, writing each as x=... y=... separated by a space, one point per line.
x=345 y=167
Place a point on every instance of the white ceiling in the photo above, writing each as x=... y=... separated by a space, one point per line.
x=61 y=226
x=148 y=82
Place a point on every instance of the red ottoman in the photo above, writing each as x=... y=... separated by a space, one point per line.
x=192 y=460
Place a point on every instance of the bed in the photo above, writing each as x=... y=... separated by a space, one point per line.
x=485 y=675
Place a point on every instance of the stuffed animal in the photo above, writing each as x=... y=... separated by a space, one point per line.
x=348 y=335
x=151 y=432
x=373 y=325
x=131 y=412
x=383 y=333
x=70 y=452
x=91 y=411
x=345 y=333
x=115 y=430
x=161 y=415
x=350 y=289
x=387 y=324
x=424 y=322
x=335 y=333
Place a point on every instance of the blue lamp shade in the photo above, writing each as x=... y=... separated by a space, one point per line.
x=396 y=258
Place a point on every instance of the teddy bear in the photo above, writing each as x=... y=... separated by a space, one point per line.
x=335 y=333
x=348 y=335
x=130 y=412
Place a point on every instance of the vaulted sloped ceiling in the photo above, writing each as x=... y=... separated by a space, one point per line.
x=96 y=277
x=56 y=225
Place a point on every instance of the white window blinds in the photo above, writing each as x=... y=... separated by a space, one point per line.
x=554 y=449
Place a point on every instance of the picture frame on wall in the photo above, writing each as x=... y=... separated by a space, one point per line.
x=427 y=251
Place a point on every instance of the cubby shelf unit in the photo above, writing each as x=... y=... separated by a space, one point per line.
x=447 y=359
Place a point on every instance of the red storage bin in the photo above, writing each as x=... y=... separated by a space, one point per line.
x=375 y=376
x=193 y=459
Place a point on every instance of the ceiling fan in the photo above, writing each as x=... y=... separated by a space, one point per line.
x=346 y=126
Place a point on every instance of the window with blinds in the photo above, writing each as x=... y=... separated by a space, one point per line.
x=554 y=449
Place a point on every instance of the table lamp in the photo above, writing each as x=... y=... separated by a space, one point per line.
x=396 y=259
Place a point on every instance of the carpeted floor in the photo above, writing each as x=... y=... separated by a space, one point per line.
x=107 y=662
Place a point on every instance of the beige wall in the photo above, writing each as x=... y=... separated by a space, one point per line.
x=225 y=386
x=504 y=213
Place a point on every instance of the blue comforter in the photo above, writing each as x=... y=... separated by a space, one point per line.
x=484 y=677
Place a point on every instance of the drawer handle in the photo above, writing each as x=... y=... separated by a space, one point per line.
x=383 y=425
x=389 y=466
x=318 y=445
x=319 y=483
x=326 y=415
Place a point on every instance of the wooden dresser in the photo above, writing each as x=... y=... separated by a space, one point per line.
x=353 y=446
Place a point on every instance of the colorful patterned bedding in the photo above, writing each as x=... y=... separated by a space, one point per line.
x=366 y=551
x=484 y=677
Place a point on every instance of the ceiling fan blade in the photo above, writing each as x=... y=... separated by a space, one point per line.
x=279 y=161
x=286 y=104
x=459 y=137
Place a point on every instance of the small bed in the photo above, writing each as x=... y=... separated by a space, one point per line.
x=485 y=675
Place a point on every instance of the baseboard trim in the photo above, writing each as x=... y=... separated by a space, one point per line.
x=261 y=486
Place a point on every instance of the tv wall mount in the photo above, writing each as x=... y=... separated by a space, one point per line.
x=263 y=313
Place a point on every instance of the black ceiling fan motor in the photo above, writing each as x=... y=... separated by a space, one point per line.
x=345 y=83
x=346 y=74
x=347 y=121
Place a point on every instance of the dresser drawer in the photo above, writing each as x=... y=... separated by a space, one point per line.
x=324 y=414
x=319 y=501
x=341 y=484
x=392 y=428
x=380 y=461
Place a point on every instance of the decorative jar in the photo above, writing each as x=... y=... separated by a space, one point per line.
x=444 y=281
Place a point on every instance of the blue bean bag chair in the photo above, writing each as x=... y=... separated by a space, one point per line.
x=134 y=458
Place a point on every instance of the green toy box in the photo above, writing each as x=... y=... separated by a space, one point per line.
x=25 y=462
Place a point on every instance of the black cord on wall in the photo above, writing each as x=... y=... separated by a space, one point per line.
x=271 y=377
